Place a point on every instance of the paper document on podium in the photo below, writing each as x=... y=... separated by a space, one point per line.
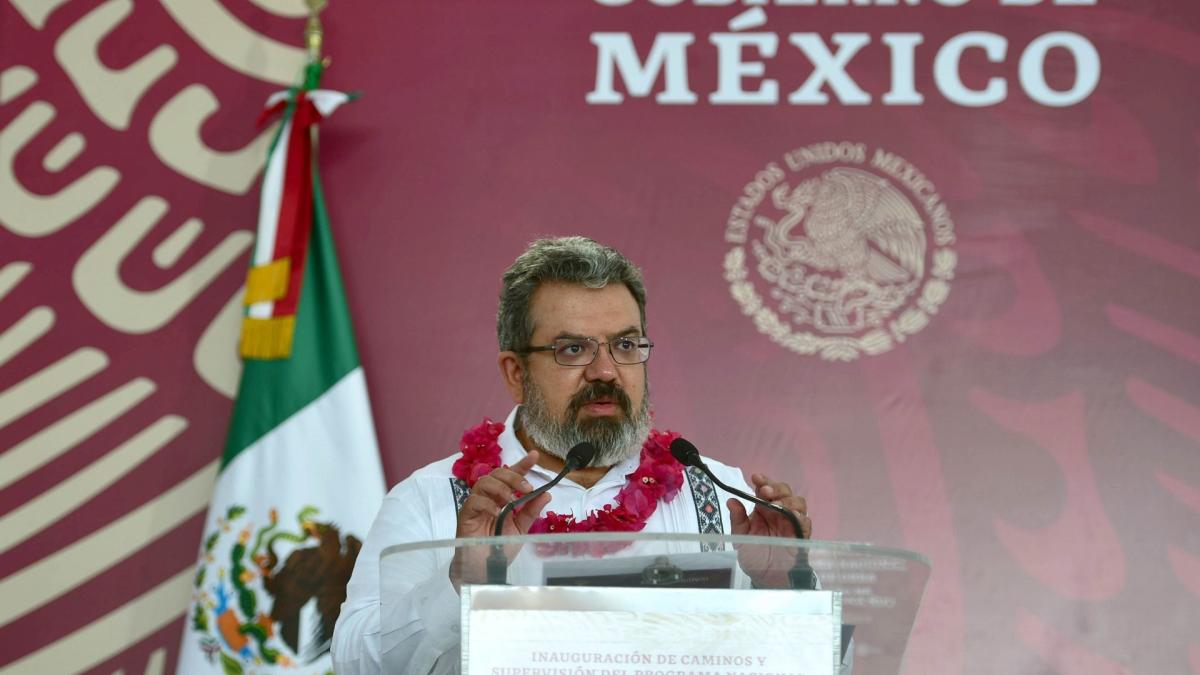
x=530 y=629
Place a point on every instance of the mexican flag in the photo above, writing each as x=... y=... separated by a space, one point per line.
x=300 y=478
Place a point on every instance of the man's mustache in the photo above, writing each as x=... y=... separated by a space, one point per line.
x=601 y=390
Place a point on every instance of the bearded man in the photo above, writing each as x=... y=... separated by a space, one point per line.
x=573 y=352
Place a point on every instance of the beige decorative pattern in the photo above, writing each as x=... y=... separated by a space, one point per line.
x=215 y=357
x=112 y=634
x=27 y=330
x=64 y=152
x=15 y=81
x=175 y=138
x=39 y=449
x=50 y=382
x=36 y=11
x=155 y=665
x=166 y=254
x=11 y=275
x=67 y=568
x=30 y=215
x=98 y=281
x=111 y=94
x=34 y=515
x=289 y=8
x=229 y=41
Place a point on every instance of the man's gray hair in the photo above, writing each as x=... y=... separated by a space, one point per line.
x=573 y=260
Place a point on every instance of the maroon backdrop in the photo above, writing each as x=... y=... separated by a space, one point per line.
x=1035 y=432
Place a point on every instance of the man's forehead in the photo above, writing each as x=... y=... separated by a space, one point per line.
x=575 y=309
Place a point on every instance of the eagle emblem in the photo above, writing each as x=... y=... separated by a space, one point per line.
x=256 y=604
x=854 y=247
x=849 y=250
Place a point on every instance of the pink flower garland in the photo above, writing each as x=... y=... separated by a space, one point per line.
x=657 y=478
x=480 y=452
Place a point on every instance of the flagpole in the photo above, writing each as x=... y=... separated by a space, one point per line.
x=314 y=41
x=314 y=31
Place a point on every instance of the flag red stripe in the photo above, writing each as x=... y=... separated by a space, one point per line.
x=295 y=209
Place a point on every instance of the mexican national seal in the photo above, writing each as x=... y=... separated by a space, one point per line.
x=851 y=246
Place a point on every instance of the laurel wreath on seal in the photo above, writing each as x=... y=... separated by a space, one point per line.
x=841 y=348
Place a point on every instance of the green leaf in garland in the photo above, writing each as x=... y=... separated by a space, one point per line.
x=234 y=512
x=211 y=541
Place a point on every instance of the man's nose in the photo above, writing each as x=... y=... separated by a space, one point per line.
x=602 y=368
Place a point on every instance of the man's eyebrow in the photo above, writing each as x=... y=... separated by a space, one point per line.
x=625 y=332
x=632 y=330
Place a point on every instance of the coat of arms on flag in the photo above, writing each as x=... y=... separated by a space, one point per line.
x=253 y=583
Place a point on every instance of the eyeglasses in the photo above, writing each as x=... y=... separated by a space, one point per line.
x=577 y=352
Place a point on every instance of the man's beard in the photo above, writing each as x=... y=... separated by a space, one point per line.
x=616 y=438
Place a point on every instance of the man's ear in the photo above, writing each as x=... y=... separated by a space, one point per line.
x=512 y=371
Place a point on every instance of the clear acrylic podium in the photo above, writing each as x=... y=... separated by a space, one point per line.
x=428 y=589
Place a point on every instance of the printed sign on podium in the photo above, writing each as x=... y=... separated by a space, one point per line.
x=522 y=629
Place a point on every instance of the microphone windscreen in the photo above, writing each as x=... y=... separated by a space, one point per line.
x=684 y=452
x=581 y=455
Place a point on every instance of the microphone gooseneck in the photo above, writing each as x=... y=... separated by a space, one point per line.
x=577 y=457
x=687 y=454
x=801 y=575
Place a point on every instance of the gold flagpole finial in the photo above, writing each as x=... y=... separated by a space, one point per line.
x=314 y=32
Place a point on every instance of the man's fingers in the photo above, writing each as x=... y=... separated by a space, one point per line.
x=775 y=491
x=493 y=488
x=512 y=479
x=739 y=521
x=530 y=512
x=794 y=502
x=478 y=504
x=491 y=492
x=798 y=506
x=522 y=467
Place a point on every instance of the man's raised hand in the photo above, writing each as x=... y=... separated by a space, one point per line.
x=477 y=518
x=765 y=522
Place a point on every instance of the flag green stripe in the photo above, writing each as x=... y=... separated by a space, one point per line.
x=323 y=349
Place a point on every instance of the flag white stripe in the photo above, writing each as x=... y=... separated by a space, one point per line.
x=325 y=456
x=268 y=214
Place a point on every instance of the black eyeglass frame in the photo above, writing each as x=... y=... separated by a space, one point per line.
x=595 y=351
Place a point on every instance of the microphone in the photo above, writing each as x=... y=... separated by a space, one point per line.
x=497 y=564
x=801 y=575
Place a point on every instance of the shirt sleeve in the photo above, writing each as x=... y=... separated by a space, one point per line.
x=401 y=615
